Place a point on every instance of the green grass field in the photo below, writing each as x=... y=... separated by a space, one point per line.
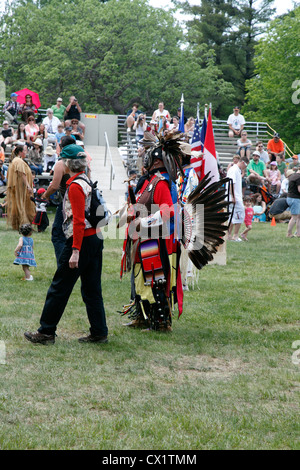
x=223 y=379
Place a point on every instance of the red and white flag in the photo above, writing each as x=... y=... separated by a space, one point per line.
x=209 y=162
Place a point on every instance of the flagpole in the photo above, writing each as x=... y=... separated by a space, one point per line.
x=198 y=115
x=181 y=122
x=205 y=111
x=182 y=101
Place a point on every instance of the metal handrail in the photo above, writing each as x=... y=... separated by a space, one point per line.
x=112 y=168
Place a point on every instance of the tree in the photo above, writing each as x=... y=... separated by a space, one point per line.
x=230 y=29
x=273 y=93
x=110 y=54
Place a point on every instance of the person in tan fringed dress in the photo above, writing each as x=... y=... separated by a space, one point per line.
x=20 y=209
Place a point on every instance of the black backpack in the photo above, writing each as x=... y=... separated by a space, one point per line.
x=98 y=215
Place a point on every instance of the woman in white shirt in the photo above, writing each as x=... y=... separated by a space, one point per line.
x=139 y=127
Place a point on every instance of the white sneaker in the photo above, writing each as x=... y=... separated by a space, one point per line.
x=29 y=278
x=128 y=129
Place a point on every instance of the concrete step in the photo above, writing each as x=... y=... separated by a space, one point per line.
x=114 y=196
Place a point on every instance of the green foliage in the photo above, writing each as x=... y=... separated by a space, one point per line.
x=110 y=54
x=272 y=93
x=229 y=29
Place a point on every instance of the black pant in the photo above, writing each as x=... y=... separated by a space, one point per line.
x=64 y=280
x=57 y=235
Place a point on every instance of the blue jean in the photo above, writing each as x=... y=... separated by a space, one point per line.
x=38 y=169
x=89 y=270
x=294 y=205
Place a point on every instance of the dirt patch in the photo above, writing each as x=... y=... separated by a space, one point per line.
x=209 y=367
x=201 y=366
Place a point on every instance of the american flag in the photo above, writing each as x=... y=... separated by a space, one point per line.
x=196 y=146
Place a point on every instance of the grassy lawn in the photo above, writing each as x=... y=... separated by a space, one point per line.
x=223 y=379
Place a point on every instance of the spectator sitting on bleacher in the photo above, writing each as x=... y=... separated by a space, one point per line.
x=35 y=157
x=132 y=116
x=189 y=127
x=273 y=178
x=11 y=109
x=60 y=132
x=73 y=111
x=139 y=126
x=244 y=145
x=59 y=109
x=2 y=154
x=179 y=116
x=77 y=130
x=51 y=123
x=174 y=126
x=281 y=165
x=7 y=135
x=275 y=147
x=161 y=113
x=28 y=109
x=3 y=173
x=263 y=154
x=31 y=129
x=42 y=134
x=20 y=133
x=295 y=164
x=256 y=170
x=50 y=157
x=236 y=122
x=68 y=132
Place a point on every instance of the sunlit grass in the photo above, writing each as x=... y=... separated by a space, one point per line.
x=223 y=379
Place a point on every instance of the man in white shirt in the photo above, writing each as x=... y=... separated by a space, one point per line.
x=263 y=155
x=160 y=113
x=235 y=122
x=51 y=123
x=236 y=196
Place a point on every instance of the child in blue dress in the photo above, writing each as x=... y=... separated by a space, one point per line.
x=24 y=251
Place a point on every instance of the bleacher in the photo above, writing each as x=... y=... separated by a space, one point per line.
x=127 y=145
x=225 y=146
x=42 y=113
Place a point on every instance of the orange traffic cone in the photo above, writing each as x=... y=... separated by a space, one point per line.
x=273 y=223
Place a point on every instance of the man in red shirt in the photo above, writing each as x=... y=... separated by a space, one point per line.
x=155 y=236
x=275 y=147
x=156 y=287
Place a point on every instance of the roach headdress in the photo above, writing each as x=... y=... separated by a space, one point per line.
x=170 y=148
